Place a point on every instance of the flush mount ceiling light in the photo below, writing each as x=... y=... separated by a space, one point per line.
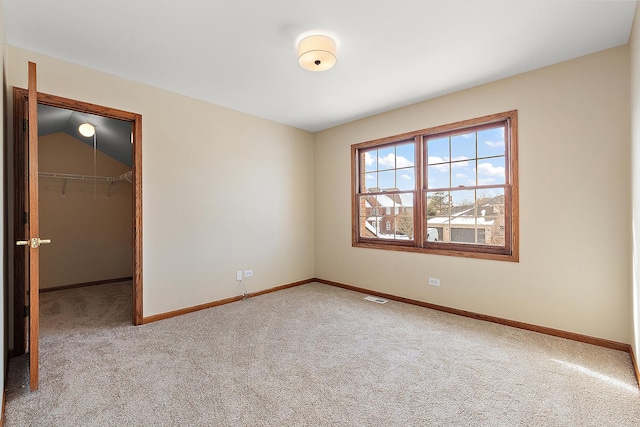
x=87 y=129
x=317 y=53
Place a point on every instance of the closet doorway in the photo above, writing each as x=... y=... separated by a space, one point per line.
x=93 y=183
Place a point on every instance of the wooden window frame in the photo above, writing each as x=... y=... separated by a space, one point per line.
x=508 y=252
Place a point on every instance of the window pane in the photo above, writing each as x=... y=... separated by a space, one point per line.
x=463 y=216
x=491 y=142
x=463 y=235
x=406 y=203
x=494 y=230
x=386 y=158
x=370 y=160
x=490 y=208
x=386 y=216
x=438 y=211
x=438 y=176
x=405 y=155
x=481 y=236
x=438 y=204
x=435 y=234
x=463 y=174
x=368 y=217
x=463 y=146
x=370 y=181
x=406 y=179
x=387 y=180
x=437 y=150
x=491 y=171
x=473 y=220
x=463 y=203
x=404 y=217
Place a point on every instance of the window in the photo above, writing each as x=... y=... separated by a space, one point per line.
x=450 y=190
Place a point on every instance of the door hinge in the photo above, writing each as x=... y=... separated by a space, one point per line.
x=26 y=311
x=25 y=217
x=25 y=124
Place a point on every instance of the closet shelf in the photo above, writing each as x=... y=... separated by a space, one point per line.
x=124 y=177
x=69 y=176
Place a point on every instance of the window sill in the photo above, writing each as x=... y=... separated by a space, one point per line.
x=403 y=247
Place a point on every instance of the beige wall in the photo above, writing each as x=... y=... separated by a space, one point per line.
x=574 y=269
x=634 y=48
x=222 y=190
x=91 y=226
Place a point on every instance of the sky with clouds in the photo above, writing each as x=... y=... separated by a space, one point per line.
x=453 y=162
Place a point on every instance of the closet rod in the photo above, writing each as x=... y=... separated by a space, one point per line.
x=123 y=177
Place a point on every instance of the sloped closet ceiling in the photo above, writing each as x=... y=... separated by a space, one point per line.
x=113 y=137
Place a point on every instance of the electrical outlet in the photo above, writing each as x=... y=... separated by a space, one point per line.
x=248 y=273
x=238 y=275
x=434 y=282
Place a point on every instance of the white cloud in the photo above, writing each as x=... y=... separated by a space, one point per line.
x=368 y=158
x=444 y=163
x=441 y=168
x=491 y=170
x=436 y=159
x=459 y=158
x=459 y=162
x=486 y=181
x=461 y=175
x=391 y=161
x=495 y=144
x=405 y=176
x=369 y=176
x=403 y=162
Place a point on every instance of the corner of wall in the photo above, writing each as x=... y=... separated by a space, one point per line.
x=634 y=51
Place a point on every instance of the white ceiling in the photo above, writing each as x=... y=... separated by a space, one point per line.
x=242 y=53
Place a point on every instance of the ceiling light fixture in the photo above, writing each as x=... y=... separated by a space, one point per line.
x=87 y=129
x=317 y=53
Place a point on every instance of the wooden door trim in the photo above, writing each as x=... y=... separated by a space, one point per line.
x=19 y=96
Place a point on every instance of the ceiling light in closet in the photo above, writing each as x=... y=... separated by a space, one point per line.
x=87 y=129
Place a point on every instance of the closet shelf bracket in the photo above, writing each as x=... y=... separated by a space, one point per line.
x=126 y=177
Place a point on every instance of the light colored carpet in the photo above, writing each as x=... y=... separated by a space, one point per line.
x=313 y=355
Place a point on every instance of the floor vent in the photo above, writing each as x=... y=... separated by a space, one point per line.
x=376 y=299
